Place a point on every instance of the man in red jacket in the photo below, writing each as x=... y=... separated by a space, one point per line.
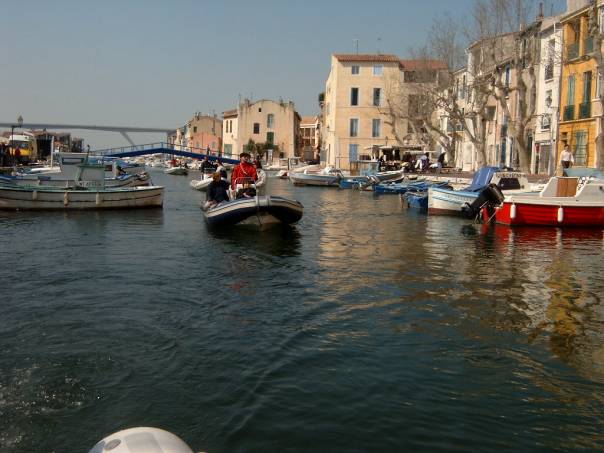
x=244 y=171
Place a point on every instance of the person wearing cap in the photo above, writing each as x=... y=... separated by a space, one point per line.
x=243 y=171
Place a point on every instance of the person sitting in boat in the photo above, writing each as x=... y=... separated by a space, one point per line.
x=243 y=171
x=221 y=169
x=257 y=163
x=206 y=165
x=217 y=191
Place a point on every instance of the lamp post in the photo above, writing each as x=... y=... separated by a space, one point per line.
x=551 y=166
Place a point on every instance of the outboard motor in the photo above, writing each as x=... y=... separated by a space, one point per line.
x=489 y=197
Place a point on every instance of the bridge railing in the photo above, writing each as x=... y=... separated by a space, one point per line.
x=161 y=148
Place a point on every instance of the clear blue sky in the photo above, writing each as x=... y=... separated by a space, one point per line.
x=154 y=63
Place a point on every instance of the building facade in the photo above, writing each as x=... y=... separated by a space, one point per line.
x=369 y=105
x=579 y=103
x=204 y=132
x=309 y=137
x=270 y=127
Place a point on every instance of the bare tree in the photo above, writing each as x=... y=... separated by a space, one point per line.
x=503 y=53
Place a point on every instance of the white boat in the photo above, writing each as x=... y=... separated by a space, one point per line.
x=248 y=207
x=288 y=165
x=89 y=192
x=453 y=202
x=206 y=178
x=64 y=174
x=328 y=176
x=182 y=171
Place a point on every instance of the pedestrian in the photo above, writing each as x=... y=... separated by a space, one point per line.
x=257 y=163
x=567 y=159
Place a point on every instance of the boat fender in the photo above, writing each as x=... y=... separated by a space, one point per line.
x=34 y=195
x=98 y=200
x=65 y=199
x=560 y=214
x=513 y=211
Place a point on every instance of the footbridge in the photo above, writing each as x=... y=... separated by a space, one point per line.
x=163 y=148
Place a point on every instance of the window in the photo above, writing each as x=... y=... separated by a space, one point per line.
x=270 y=137
x=228 y=149
x=354 y=96
x=256 y=128
x=377 y=97
x=378 y=69
x=353 y=152
x=586 y=86
x=376 y=127
x=260 y=110
x=571 y=90
x=507 y=75
x=194 y=129
x=354 y=70
x=354 y=127
x=270 y=121
x=581 y=148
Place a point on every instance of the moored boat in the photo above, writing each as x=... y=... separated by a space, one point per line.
x=325 y=177
x=564 y=201
x=452 y=202
x=87 y=193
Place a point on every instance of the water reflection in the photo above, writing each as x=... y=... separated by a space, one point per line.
x=280 y=240
x=559 y=290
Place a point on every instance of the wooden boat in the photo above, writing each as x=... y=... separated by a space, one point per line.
x=88 y=192
x=448 y=201
x=565 y=201
x=64 y=174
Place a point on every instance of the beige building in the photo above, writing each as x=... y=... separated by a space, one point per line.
x=204 y=132
x=309 y=137
x=272 y=126
x=357 y=112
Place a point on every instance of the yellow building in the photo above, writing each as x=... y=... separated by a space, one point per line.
x=579 y=104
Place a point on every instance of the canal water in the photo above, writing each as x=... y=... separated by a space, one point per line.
x=367 y=327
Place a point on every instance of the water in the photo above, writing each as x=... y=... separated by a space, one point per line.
x=365 y=328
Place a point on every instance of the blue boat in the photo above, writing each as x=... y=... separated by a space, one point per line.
x=417 y=196
x=366 y=172
x=401 y=187
x=447 y=201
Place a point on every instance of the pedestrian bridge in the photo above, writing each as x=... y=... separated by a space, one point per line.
x=163 y=148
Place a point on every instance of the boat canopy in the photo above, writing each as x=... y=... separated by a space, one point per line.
x=482 y=178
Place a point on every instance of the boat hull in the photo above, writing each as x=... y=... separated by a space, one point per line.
x=260 y=211
x=448 y=202
x=47 y=198
x=519 y=213
x=302 y=179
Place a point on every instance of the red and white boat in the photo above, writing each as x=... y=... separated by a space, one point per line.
x=562 y=202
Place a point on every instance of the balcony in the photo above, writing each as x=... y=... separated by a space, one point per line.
x=572 y=51
x=549 y=71
x=585 y=110
x=588 y=45
x=569 y=113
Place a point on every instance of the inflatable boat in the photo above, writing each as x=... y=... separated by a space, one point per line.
x=260 y=210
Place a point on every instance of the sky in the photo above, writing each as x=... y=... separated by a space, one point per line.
x=155 y=63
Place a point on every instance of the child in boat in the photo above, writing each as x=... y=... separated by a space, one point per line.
x=217 y=191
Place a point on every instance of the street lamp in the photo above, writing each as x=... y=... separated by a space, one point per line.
x=552 y=148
